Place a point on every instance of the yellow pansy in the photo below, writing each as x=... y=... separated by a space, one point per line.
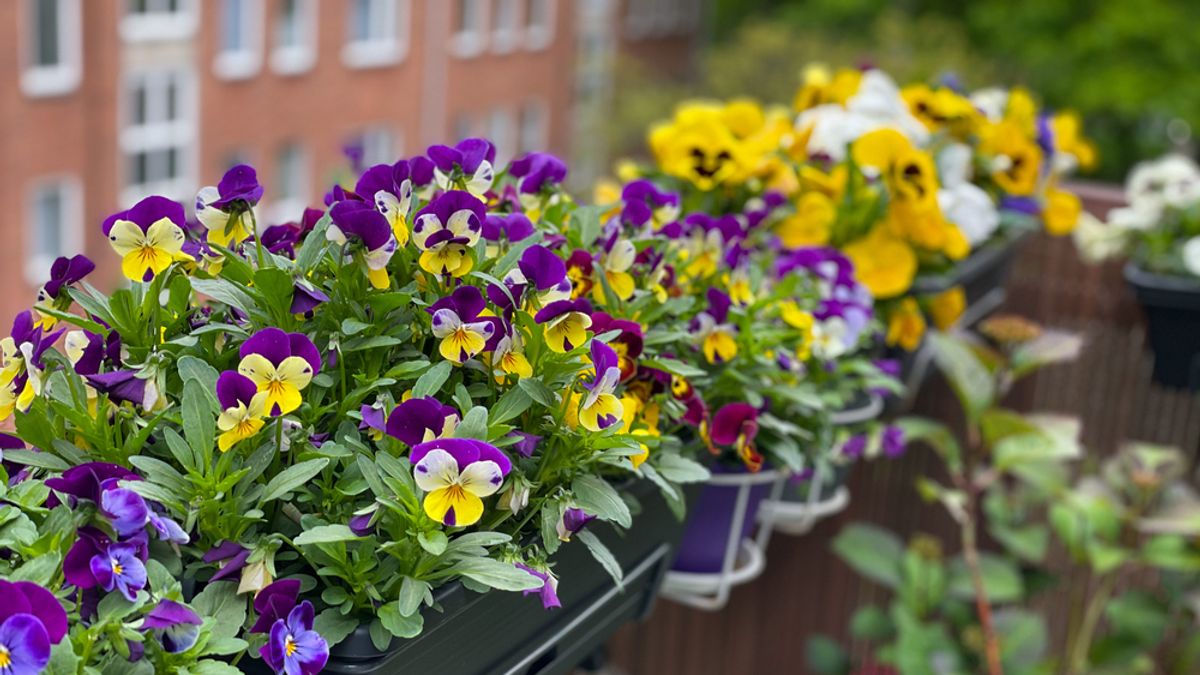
x=820 y=87
x=1068 y=137
x=908 y=172
x=812 y=223
x=906 y=326
x=947 y=307
x=884 y=264
x=244 y=421
x=1061 y=212
x=146 y=254
x=1016 y=158
x=282 y=384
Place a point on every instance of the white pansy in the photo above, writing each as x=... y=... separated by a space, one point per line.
x=1098 y=241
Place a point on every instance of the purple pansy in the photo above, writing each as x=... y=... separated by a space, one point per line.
x=24 y=645
x=631 y=340
x=125 y=385
x=548 y=593
x=892 y=441
x=373 y=419
x=419 y=420
x=545 y=270
x=231 y=554
x=736 y=425
x=526 y=444
x=537 y=170
x=359 y=221
x=294 y=647
x=26 y=597
x=274 y=602
x=450 y=217
x=855 y=446
x=119 y=567
x=147 y=212
x=473 y=157
x=512 y=227
x=88 y=481
x=573 y=520
x=643 y=203
x=125 y=509
x=455 y=474
x=176 y=626
x=306 y=298
x=238 y=188
x=66 y=271
x=77 y=565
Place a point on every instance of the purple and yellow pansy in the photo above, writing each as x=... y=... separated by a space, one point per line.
x=456 y=474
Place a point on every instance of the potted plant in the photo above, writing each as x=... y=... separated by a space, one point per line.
x=339 y=425
x=1017 y=491
x=1158 y=230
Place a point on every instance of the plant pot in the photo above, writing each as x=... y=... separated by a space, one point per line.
x=797 y=491
x=982 y=275
x=501 y=632
x=1172 y=306
x=713 y=518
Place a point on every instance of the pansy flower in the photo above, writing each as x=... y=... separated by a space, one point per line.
x=225 y=208
x=735 y=425
x=175 y=625
x=628 y=343
x=390 y=189
x=148 y=237
x=644 y=204
x=242 y=409
x=119 y=567
x=293 y=647
x=580 y=268
x=358 y=221
x=31 y=620
x=714 y=335
x=21 y=367
x=230 y=556
x=546 y=272
x=374 y=420
x=573 y=520
x=540 y=173
x=274 y=602
x=456 y=322
x=280 y=364
x=507 y=358
x=601 y=408
x=420 y=420
x=565 y=323
x=617 y=257
x=64 y=272
x=455 y=474
x=446 y=229
x=548 y=592
x=128 y=386
x=467 y=165
x=306 y=298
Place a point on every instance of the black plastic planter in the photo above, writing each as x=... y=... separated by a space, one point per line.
x=982 y=275
x=1172 y=306
x=500 y=632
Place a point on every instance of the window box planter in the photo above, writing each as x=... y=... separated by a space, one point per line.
x=498 y=632
x=982 y=275
x=1172 y=307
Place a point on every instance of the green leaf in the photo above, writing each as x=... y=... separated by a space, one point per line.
x=474 y=424
x=63 y=660
x=398 y=624
x=412 y=593
x=937 y=435
x=594 y=495
x=826 y=657
x=325 y=534
x=680 y=469
x=1023 y=639
x=603 y=556
x=968 y=376
x=552 y=513
x=40 y=570
x=514 y=402
x=1001 y=579
x=538 y=391
x=221 y=602
x=211 y=667
x=293 y=477
x=380 y=637
x=674 y=367
x=433 y=541
x=1138 y=614
x=431 y=382
x=333 y=625
x=873 y=552
x=223 y=290
x=496 y=574
x=199 y=421
x=42 y=460
x=871 y=623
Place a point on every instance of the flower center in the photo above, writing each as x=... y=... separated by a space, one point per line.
x=116 y=567
x=275 y=386
x=289 y=646
x=5 y=658
x=146 y=253
x=246 y=427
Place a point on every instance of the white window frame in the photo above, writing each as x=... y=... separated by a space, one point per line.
x=501 y=124
x=245 y=62
x=160 y=25
x=296 y=58
x=180 y=133
x=542 y=142
x=37 y=264
x=374 y=151
x=292 y=207
x=40 y=81
x=385 y=51
x=505 y=37
x=538 y=38
x=467 y=44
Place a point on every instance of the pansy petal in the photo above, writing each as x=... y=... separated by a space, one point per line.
x=258 y=368
x=482 y=478
x=453 y=507
x=295 y=371
x=436 y=470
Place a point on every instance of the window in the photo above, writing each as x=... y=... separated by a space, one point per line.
x=539 y=23
x=470 y=19
x=377 y=33
x=290 y=194
x=464 y=126
x=378 y=146
x=55 y=226
x=239 y=53
x=158 y=136
x=500 y=132
x=505 y=26
x=158 y=20
x=51 y=53
x=532 y=134
x=295 y=47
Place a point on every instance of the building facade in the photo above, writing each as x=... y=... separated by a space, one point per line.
x=107 y=101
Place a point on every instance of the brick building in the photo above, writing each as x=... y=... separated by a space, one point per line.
x=106 y=101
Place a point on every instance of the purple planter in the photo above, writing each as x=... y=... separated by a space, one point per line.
x=710 y=518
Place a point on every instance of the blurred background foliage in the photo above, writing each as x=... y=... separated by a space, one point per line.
x=1129 y=67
